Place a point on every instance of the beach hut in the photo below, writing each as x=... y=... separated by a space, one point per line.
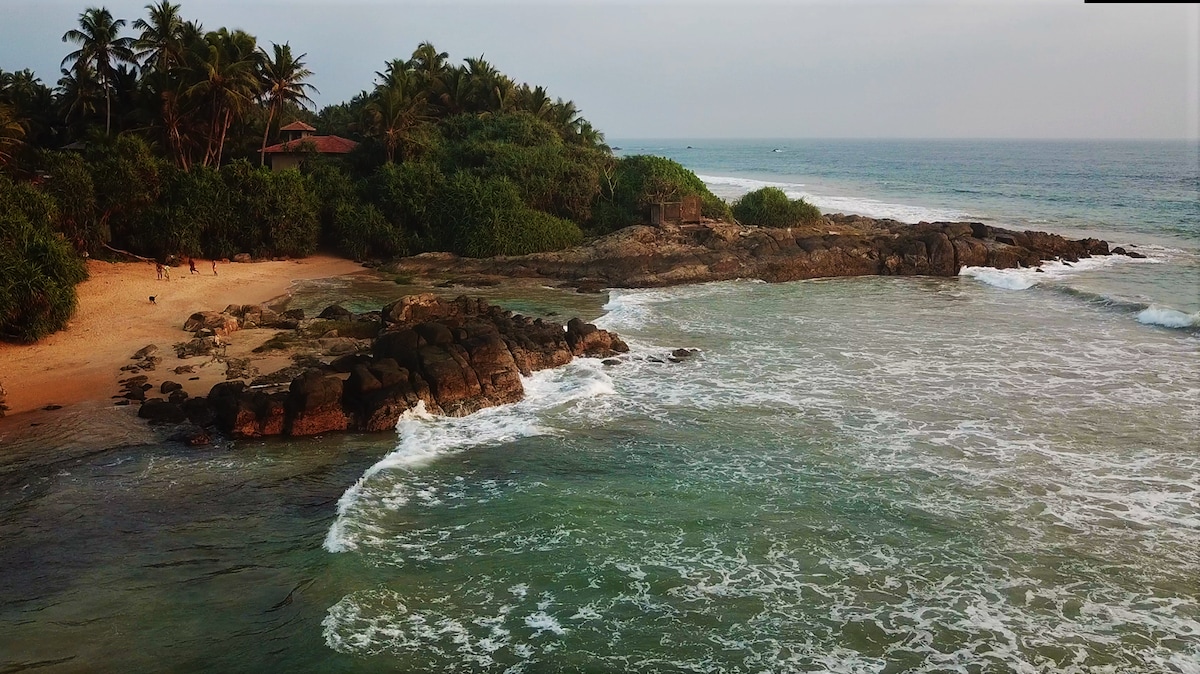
x=299 y=141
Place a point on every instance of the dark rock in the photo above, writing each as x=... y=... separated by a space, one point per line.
x=220 y=324
x=336 y=312
x=199 y=411
x=169 y=386
x=51 y=408
x=610 y=362
x=148 y=350
x=1119 y=251
x=586 y=339
x=185 y=369
x=314 y=405
x=178 y=396
x=242 y=257
x=1136 y=255
x=191 y=435
x=157 y=410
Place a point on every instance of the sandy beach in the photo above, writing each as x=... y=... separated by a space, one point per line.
x=115 y=318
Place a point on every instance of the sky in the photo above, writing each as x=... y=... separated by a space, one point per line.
x=724 y=69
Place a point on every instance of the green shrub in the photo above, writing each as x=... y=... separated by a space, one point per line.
x=637 y=181
x=481 y=218
x=38 y=268
x=404 y=194
x=360 y=232
x=770 y=207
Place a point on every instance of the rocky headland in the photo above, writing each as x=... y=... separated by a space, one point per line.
x=449 y=357
x=841 y=245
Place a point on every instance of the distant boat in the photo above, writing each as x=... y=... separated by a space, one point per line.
x=689 y=147
x=776 y=150
x=616 y=149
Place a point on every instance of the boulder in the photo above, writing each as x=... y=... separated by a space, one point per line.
x=169 y=386
x=586 y=339
x=157 y=410
x=220 y=324
x=148 y=350
x=336 y=312
x=414 y=309
x=314 y=405
x=242 y=257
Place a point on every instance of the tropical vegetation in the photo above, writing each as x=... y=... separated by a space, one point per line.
x=151 y=142
x=771 y=207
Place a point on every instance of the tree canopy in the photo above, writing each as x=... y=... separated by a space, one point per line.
x=153 y=140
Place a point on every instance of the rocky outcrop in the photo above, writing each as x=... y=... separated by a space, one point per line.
x=213 y=322
x=840 y=246
x=3 y=400
x=454 y=357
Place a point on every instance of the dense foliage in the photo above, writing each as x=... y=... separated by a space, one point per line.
x=636 y=182
x=152 y=142
x=770 y=207
x=38 y=268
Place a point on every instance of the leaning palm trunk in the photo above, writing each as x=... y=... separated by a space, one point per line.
x=262 y=154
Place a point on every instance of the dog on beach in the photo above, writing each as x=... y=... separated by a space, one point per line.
x=152 y=299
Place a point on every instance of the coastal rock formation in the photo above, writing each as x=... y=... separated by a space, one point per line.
x=454 y=357
x=842 y=245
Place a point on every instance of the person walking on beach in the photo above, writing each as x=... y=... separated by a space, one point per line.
x=214 y=267
x=159 y=269
x=192 y=265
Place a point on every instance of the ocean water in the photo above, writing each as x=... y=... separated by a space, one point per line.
x=998 y=472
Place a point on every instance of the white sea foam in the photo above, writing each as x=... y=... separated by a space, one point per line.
x=1167 y=317
x=1023 y=278
x=958 y=501
x=732 y=188
x=424 y=438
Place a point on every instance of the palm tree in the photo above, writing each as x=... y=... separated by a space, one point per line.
x=430 y=66
x=12 y=133
x=535 y=101
x=283 y=82
x=485 y=80
x=225 y=68
x=78 y=91
x=161 y=39
x=101 y=47
x=566 y=117
x=456 y=92
x=395 y=108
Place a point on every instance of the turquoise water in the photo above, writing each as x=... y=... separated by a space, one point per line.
x=998 y=472
x=1140 y=193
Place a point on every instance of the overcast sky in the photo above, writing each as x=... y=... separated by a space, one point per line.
x=800 y=69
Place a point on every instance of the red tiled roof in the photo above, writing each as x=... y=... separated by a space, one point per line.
x=318 y=144
x=297 y=126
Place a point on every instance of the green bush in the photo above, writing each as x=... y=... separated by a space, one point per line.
x=404 y=194
x=274 y=212
x=770 y=207
x=38 y=268
x=360 y=232
x=69 y=183
x=481 y=218
x=637 y=181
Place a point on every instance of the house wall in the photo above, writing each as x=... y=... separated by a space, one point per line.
x=283 y=161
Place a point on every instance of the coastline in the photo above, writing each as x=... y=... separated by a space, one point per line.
x=115 y=318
